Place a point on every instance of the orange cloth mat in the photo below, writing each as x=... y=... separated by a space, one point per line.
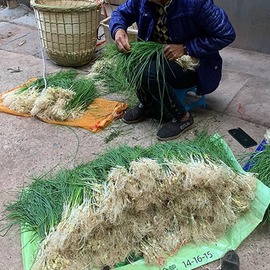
x=97 y=116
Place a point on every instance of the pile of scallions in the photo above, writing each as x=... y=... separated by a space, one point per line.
x=119 y=204
x=122 y=73
x=60 y=96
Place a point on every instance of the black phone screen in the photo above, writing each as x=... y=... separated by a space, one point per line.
x=242 y=137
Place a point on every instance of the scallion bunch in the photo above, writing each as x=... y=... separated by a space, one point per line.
x=39 y=206
x=122 y=73
x=259 y=163
x=64 y=95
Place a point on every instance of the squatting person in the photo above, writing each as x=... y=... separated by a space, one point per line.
x=197 y=28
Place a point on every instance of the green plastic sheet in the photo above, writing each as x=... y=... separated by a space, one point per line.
x=189 y=256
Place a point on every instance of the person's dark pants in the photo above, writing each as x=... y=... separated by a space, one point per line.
x=159 y=86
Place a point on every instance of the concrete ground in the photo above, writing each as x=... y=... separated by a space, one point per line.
x=30 y=147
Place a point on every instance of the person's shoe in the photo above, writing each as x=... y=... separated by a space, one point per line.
x=174 y=128
x=135 y=115
x=138 y=114
x=230 y=261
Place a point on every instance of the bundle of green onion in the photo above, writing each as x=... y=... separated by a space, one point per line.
x=48 y=205
x=259 y=163
x=46 y=196
x=122 y=73
x=64 y=95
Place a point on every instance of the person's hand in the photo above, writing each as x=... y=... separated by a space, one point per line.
x=174 y=51
x=121 y=40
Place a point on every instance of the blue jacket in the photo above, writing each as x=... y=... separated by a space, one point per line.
x=200 y=25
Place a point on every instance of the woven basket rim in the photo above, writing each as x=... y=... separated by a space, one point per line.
x=88 y=5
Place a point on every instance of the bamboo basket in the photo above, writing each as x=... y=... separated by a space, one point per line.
x=68 y=29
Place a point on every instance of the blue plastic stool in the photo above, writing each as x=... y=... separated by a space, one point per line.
x=190 y=101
